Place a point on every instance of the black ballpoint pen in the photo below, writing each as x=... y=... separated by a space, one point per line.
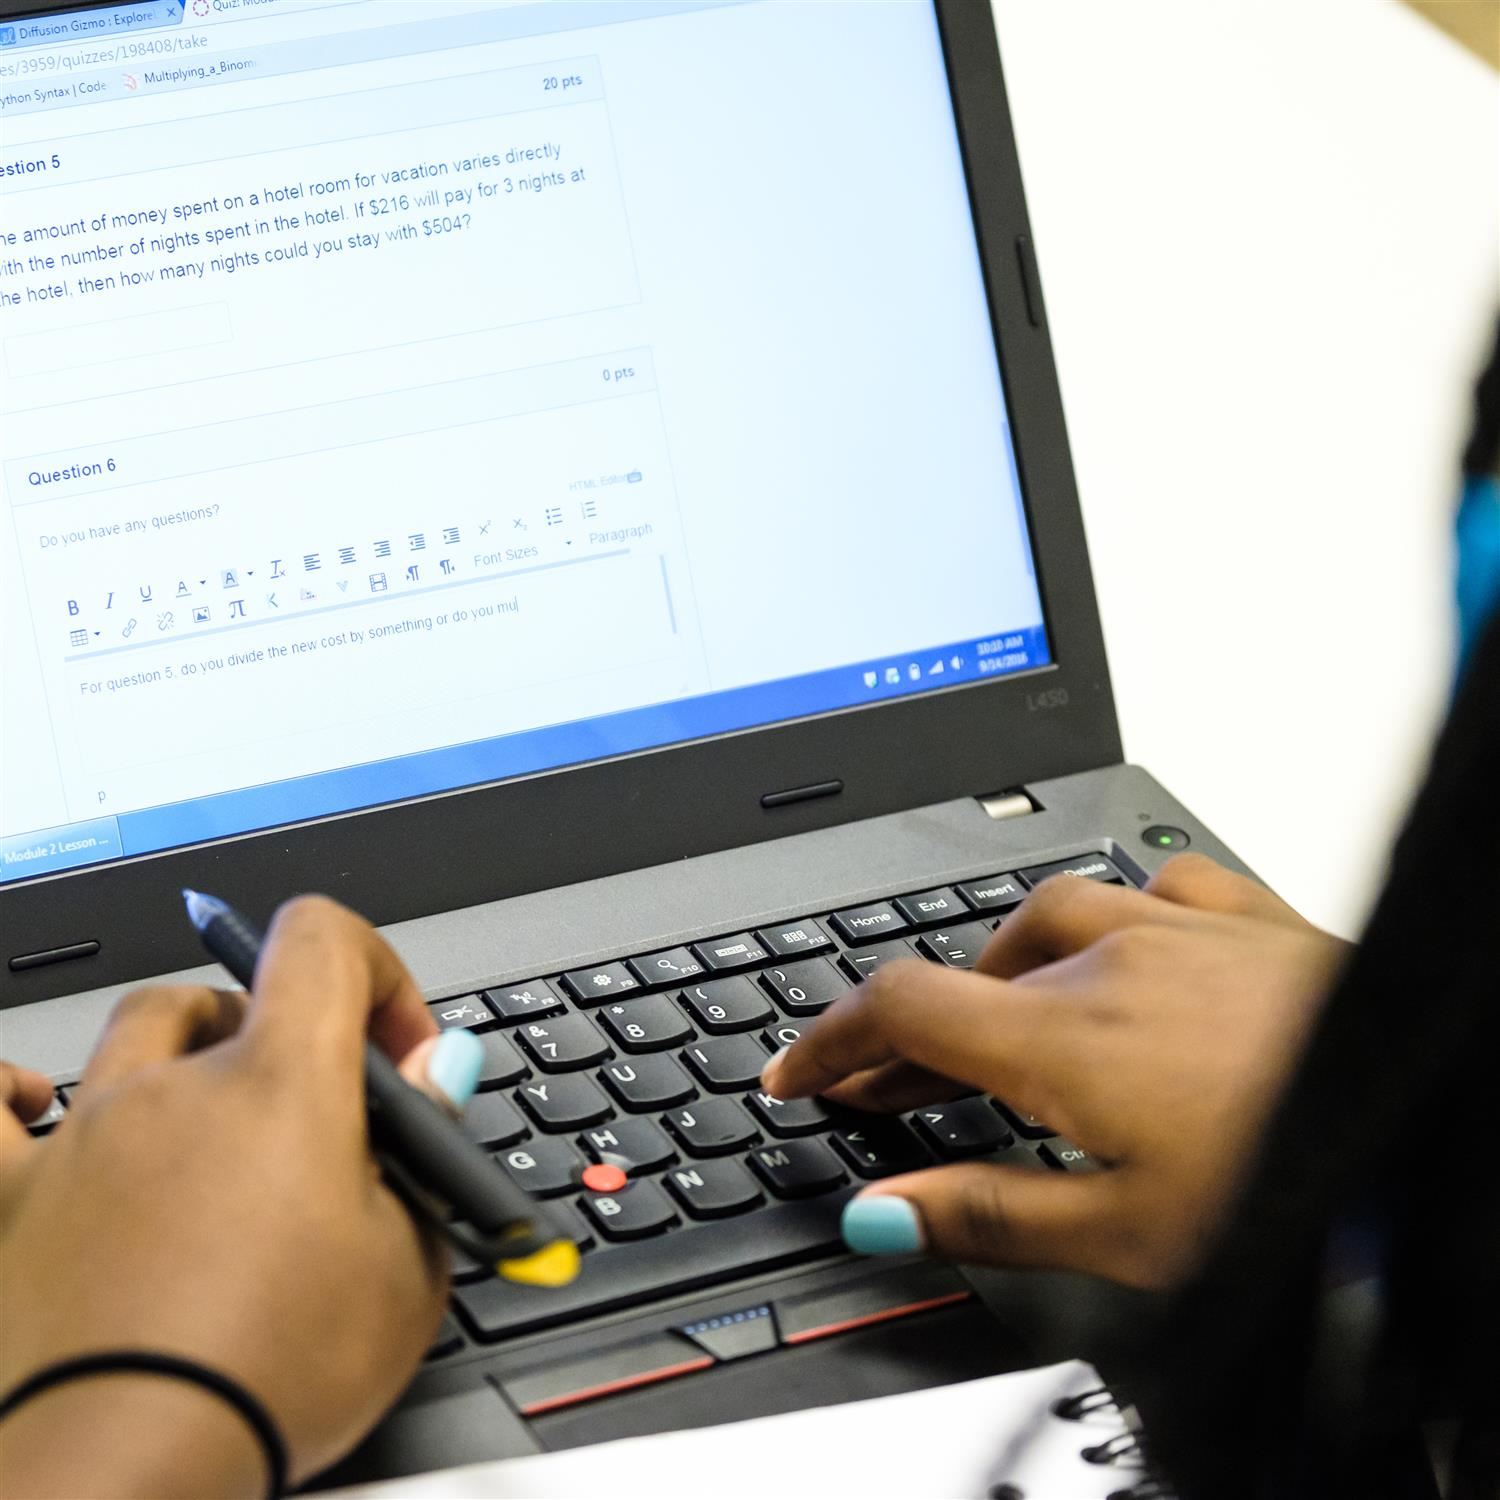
x=421 y=1150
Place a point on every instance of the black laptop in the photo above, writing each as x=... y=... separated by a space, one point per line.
x=585 y=485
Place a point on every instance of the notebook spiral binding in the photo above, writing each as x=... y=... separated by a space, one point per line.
x=1122 y=1448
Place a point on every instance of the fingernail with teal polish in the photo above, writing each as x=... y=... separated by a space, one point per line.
x=881 y=1225
x=455 y=1063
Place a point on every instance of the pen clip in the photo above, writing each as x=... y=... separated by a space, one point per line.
x=518 y=1241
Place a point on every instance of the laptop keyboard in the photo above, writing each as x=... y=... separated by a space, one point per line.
x=626 y=1095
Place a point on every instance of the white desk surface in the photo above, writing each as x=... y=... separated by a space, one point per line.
x=1269 y=234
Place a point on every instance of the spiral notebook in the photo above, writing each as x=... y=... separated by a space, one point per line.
x=1047 y=1434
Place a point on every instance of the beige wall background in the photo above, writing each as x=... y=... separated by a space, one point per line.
x=1475 y=24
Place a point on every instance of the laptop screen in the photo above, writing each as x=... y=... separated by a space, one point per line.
x=398 y=397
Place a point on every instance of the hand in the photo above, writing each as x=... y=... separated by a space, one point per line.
x=1154 y=1028
x=211 y=1194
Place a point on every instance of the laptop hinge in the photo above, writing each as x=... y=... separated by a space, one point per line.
x=1012 y=804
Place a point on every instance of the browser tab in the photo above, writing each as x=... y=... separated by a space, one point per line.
x=84 y=25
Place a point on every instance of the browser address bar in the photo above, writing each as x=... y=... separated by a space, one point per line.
x=100 y=55
x=153 y=72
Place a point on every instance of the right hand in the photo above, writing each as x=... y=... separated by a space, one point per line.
x=211 y=1194
x=1154 y=1028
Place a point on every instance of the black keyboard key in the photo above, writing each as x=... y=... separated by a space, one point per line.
x=727 y=1064
x=863 y=962
x=642 y=1083
x=955 y=947
x=864 y=924
x=447 y=1340
x=725 y=1005
x=965 y=1127
x=521 y=1002
x=879 y=1149
x=645 y=1025
x=572 y=1221
x=491 y=1120
x=797 y=1169
x=1064 y=1156
x=562 y=1043
x=793 y=939
x=702 y=1255
x=502 y=1063
x=462 y=1010
x=544 y=1166
x=674 y=966
x=636 y=1146
x=1085 y=867
x=566 y=1101
x=632 y=1213
x=928 y=908
x=712 y=1127
x=782 y=1035
x=1025 y=1124
x=463 y=1268
x=786 y=1117
x=806 y=988
x=595 y=986
x=714 y=1189
x=741 y=951
x=993 y=893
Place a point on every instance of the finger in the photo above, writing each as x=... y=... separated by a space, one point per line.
x=325 y=979
x=24 y=1095
x=1195 y=880
x=446 y=1068
x=982 y=1214
x=1063 y=916
x=893 y=1088
x=24 y=1092
x=964 y=1026
x=154 y=1025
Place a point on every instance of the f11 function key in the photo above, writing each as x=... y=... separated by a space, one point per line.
x=723 y=955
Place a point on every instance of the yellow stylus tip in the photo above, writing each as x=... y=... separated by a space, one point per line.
x=553 y=1265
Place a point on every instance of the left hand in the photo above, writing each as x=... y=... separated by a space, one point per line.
x=211 y=1194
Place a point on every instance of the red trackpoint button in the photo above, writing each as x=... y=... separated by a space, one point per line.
x=601 y=1178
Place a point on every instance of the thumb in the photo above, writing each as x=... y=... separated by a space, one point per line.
x=982 y=1214
x=446 y=1068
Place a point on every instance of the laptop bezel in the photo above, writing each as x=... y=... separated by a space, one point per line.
x=460 y=848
